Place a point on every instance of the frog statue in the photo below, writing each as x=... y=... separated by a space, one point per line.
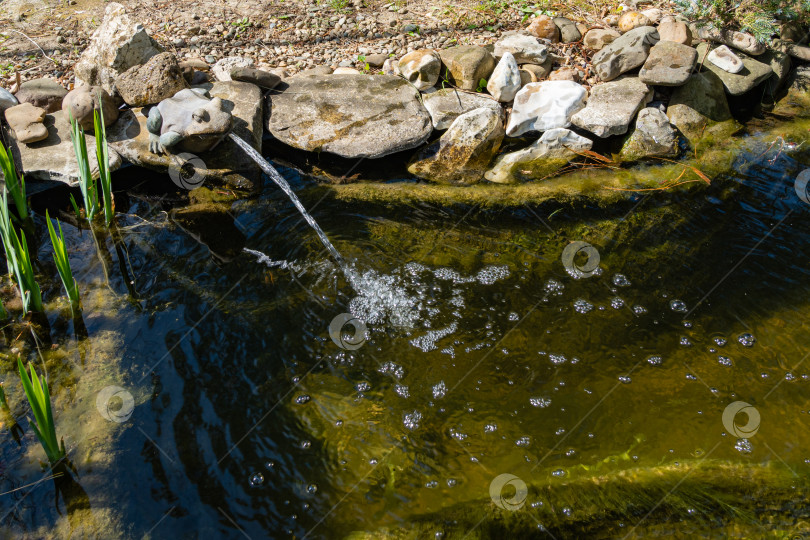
x=189 y=120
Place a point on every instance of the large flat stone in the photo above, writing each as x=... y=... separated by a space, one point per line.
x=752 y=73
x=352 y=116
x=612 y=106
x=550 y=153
x=669 y=64
x=226 y=163
x=700 y=108
x=625 y=53
x=53 y=158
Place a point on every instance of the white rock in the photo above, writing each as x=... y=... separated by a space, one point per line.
x=391 y=67
x=549 y=153
x=505 y=80
x=421 y=68
x=117 y=45
x=222 y=69
x=545 y=105
x=525 y=49
x=654 y=14
x=345 y=71
x=725 y=59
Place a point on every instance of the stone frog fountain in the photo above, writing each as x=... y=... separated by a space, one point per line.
x=189 y=120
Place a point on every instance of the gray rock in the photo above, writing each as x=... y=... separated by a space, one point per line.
x=376 y=60
x=158 y=79
x=505 y=80
x=317 y=70
x=553 y=151
x=525 y=49
x=652 y=135
x=259 y=77
x=467 y=65
x=725 y=59
x=45 y=93
x=569 y=32
x=25 y=121
x=796 y=51
x=796 y=101
x=540 y=71
x=700 y=108
x=625 y=53
x=53 y=157
x=753 y=73
x=421 y=68
x=117 y=45
x=82 y=101
x=612 y=106
x=463 y=153
x=7 y=99
x=542 y=106
x=669 y=64
x=222 y=69
x=226 y=163
x=447 y=104
x=352 y=116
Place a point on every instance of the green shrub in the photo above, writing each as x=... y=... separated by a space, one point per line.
x=759 y=17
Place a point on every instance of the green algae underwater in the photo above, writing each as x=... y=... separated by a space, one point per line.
x=603 y=394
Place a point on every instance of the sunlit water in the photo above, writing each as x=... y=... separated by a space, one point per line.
x=480 y=355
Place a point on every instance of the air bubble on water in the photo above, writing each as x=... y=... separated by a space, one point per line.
x=540 y=402
x=747 y=340
x=720 y=341
x=439 y=390
x=560 y=431
x=427 y=342
x=744 y=446
x=764 y=375
x=362 y=386
x=687 y=324
x=567 y=511
x=582 y=306
x=305 y=444
x=616 y=303
x=490 y=428
x=639 y=310
x=685 y=341
x=303 y=398
x=690 y=377
x=390 y=368
x=625 y=379
x=402 y=390
x=312 y=489
x=553 y=287
x=620 y=280
x=373 y=461
x=523 y=441
x=411 y=420
x=451 y=482
x=654 y=360
x=269 y=465
x=725 y=360
x=338 y=423
x=536 y=504
x=559 y=473
x=513 y=316
x=256 y=479
x=431 y=484
x=570 y=452
x=790 y=376
x=557 y=359
x=678 y=305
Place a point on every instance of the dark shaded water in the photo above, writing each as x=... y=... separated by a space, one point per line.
x=484 y=356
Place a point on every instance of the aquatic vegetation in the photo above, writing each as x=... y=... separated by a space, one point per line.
x=60 y=257
x=18 y=259
x=14 y=183
x=39 y=398
x=87 y=183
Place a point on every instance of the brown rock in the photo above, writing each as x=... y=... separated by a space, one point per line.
x=152 y=82
x=598 y=38
x=675 y=31
x=544 y=27
x=27 y=123
x=82 y=101
x=632 y=19
x=45 y=93
x=565 y=74
x=540 y=71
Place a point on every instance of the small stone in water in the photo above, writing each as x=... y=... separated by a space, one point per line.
x=256 y=479
x=747 y=340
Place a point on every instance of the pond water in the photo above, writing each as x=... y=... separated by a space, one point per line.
x=482 y=356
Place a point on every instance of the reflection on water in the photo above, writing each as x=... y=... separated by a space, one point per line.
x=480 y=355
